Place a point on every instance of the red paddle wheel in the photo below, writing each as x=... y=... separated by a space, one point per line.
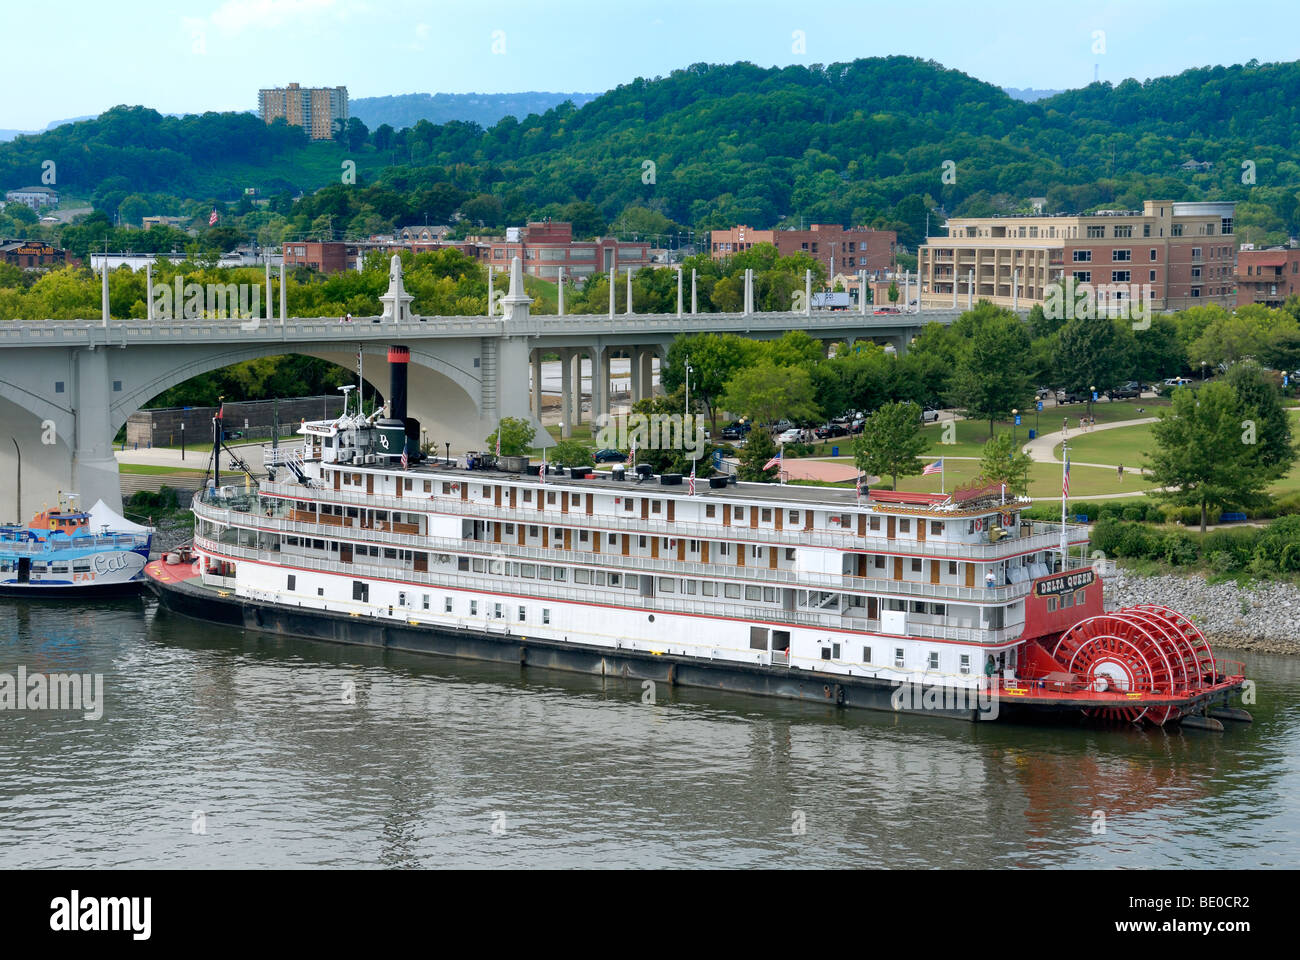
x=1139 y=651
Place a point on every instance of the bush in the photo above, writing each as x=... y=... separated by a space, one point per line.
x=1105 y=536
x=1135 y=541
x=1134 y=514
x=1178 y=549
x=1277 y=547
x=1230 y=550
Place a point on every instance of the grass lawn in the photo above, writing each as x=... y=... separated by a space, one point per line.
x=1044 y=480
x=1122 y=445
x=153 y=469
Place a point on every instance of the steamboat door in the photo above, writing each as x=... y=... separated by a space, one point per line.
x=24 y=570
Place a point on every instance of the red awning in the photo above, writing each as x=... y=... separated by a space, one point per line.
x=902 y=496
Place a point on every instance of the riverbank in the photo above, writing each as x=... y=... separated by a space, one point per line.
x=1259 y=617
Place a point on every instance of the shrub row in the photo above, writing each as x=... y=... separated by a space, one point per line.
x=1260 y=552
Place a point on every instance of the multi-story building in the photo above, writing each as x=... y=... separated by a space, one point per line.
x=1267 y=277
x=32 y=254
x=546 y=247
x=34 y=197
x=1173 y=254
x=315 y=109
x=838 y=249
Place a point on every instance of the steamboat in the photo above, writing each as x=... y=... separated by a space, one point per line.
x=952 y=604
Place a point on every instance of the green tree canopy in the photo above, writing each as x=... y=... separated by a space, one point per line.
x=891 y=442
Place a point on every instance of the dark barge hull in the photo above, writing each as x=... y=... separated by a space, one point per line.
x=310 y=624
x=72 y=592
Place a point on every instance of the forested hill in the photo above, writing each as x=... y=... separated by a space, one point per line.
x=485 y=109
x=707 y=146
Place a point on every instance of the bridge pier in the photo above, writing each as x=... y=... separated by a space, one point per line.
x=95 y=468
x=566 y=394
x=599 y=383
x=576 y=360
x=537 y=383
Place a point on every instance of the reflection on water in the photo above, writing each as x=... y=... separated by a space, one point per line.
x=310 y=754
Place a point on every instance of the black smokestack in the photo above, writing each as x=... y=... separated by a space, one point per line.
x=398 y=360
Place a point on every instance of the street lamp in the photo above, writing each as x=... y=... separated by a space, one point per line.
x=1015 y=419
x=449 y=451
x=689 y=368
x=1092 y=392
x=182 y=440
x=1203 y=363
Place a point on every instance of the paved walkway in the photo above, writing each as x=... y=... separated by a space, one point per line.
x=1042 y=449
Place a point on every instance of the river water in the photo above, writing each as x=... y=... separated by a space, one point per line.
x=219 y=748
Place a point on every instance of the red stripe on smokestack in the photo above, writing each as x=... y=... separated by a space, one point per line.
x=399 y=354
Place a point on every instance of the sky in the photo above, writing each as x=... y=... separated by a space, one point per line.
x=188 y=56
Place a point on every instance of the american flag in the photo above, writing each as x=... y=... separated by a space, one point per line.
x=857 y=487
x=212 y=217
x=405 y=460
x=936 y=467
x=774 y=462
x=1065 y=478
x=541 y=474
x=690 y=489
x=498 y=438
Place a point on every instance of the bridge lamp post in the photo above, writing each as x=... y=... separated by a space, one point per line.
x=182 y=440
x=448 y=442
x=689 y=368
x=1015 y=418
x=1092 y=391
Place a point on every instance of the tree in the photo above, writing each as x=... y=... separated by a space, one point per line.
x=893 y=291
x=765 y=392
x=1001 y=462
x=1201 y=457
x=1257 y=390
x=567 y=453
x=714 y=359
x=891 y=442
x=516 y=437
x=992 y=377
x=1090 y=354
x=754 y=458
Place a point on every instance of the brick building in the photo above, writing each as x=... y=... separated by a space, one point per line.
x=1185 y=252
x=545 y=247
x=32 y=254
x=1267 y=276
x=839 y=250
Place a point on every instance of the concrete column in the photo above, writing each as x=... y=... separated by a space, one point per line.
x=576 y=360
x=284 y=298
x=103 y=297
x=634 y=355
x=566 y=394
x=148 y=294
x=600 y=388
x=679 y=292
x=647 y=372
x=628 y=311
x=807 y=293
x=1015 y=288
x=269 y=311
x=491 y=298
x=537 y=383
x=954 y=281
x=560 y=289
x=970 y=286
x=695 y=306
x=862 y=292
x=94 y=466
x=613 y=279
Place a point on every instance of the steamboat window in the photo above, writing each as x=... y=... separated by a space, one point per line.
x=866 y=654
x=655 y=506
x=523 y=614
x=936 y=528
x=546 y=614
x=756 y=553
x=757 y=638
x=562 y=575
x=550 y=498
x=739 y=513
x=1051 y=604
x=835 y=651
x=390 y=553
x=510 y=529
x=528 y=571
x=462 y=563
x=1067 y=600
x=320 y=591
x=598 y=577
x=446 y=604
x=1078 y=597
x=934 y=660
x=767 y=515
x=918 y=606
x=292 y=582
x=789 y=553
x=428 y=486
x=532 y=531
x=615 y=579
x=826 y=653
x=769 y=594
x=544 y=573
x=613 y=539
x=575 y=499
x=794 y=516
x=640 y=542
x=582 y=536
x=667 y=585
x=905 y=525
x=710 y=510
x=916 y=564
x=952 y=567
x=528 y=496
x=752 y=593
x=360 y=591
x=709 y=588
x=627 y=503
x=401 y=599
x=875 y=524
x=732 y=591
x=478 y=565
x=473 y=608
x=582 y=576
x=965 y=663
x=880 y=562
x=898 y=656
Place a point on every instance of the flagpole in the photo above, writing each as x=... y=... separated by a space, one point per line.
x=1065 y=473
x=943 y=475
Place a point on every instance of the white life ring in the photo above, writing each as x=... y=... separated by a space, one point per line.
x=979 y=524
x=455 y=488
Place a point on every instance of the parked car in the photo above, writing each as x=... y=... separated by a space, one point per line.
x=1177 y=382
x=857 y=425
x=828 y=430
x=781 y=426
x=888 y=310
x=609 y=456
x=1070 y=396
x=1126 y=391
x=929 y=415
x=793 y=435
x=1043 y=393
x=735 y=431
